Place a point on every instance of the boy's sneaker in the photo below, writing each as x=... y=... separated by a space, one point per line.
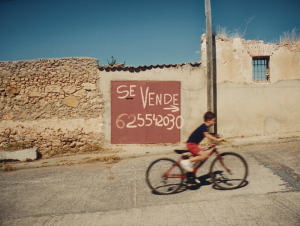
x=197 y=181
x=187 y=165
x=191 y=179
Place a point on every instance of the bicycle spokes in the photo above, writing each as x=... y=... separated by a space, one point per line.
x=164 y=176
x=222 y=162
x=228 y=170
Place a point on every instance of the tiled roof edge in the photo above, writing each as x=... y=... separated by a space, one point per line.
x=145 y=67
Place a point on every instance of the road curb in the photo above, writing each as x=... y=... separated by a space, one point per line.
x=144 y=151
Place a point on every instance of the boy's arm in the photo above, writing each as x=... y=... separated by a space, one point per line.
x=209 y=136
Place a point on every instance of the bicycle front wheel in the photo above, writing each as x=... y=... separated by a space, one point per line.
x=230 y=172
x=159 y=181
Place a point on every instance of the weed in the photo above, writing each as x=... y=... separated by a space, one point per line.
x=59 y=152
x=9 y=167
x=111 y=177
x=68 y=164
x=205 y=142
x=106 y=159
x=290 y=37
x=16 y=146
x=223 y=33
x=86 y=158
x=208 y=142
x=288 y=137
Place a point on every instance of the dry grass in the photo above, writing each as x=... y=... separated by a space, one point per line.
x=68 y=164
x=111 y=174
x=106 y=159
x=288 y=137
x=86 y=158
x=207 y=142
x=60 y=152
x=16 y=146
x=64 y=160
x=111 y=177
x=8 y=167
x=290 y=37
x=223 y=33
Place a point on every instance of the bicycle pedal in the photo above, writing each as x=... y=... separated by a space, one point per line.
x=190 y=184
x=190 y=181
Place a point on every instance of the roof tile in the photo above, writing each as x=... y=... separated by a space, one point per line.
x=118 y=67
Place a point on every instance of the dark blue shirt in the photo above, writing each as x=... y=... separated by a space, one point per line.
x=197 y=136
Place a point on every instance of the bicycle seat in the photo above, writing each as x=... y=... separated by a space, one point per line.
x=181 y=151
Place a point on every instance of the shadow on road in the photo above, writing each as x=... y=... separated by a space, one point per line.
x=204 y=181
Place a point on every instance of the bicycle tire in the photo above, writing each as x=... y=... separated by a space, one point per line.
x=160 y=184
x=238 y=171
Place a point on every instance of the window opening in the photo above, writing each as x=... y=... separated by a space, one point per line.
x=260 y=68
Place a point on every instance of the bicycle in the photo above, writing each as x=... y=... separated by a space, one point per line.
x=228 y=170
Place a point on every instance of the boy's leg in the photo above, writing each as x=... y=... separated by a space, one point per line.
x=200 y=157
x=188 y=165
x=198 y=152
x=195 y=150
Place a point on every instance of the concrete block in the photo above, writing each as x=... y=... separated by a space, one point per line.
x=21 y=155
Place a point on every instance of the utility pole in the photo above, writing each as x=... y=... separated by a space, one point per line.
x=209 y=57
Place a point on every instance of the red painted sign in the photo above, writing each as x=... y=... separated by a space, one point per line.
x=145 y=112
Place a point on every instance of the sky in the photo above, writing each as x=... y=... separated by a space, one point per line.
x=137 y=32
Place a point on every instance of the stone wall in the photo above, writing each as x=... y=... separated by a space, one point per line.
x=234 y=59
x=50 y=103
x=246 y=107
x=66 y=103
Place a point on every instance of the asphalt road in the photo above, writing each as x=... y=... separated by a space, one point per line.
x=117 y=194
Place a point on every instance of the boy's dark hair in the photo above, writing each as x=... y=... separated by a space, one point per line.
x=209 y=115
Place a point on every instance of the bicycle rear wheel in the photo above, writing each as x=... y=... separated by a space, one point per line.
x=161 y=183
x=230 y=173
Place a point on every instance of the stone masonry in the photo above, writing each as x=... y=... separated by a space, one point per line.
x=50 y=103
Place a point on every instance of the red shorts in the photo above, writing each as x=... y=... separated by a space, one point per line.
x=193 y=148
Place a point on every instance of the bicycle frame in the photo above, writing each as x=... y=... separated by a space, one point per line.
x=167 y=175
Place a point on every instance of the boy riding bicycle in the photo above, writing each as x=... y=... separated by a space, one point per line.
x=195 y=138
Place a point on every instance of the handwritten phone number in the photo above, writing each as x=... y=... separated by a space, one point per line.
x=148 y=120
